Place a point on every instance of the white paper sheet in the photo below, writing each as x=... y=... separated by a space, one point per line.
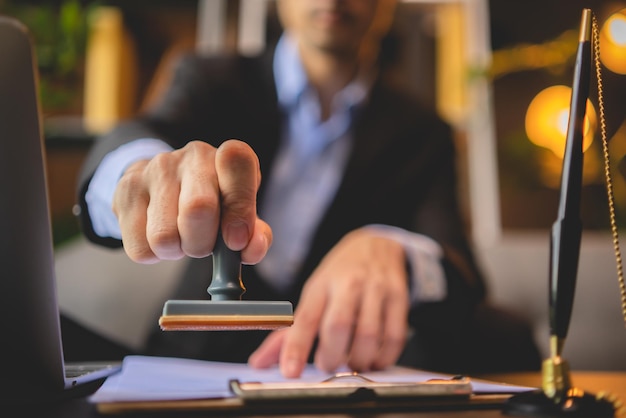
x=145 y=378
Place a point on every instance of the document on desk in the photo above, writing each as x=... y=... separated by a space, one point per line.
x=146 y=379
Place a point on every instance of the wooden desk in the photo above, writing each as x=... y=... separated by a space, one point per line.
x=614 y=382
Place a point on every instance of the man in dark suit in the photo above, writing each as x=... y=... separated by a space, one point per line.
x=359 y=190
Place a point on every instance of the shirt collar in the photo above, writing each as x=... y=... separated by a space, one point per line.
x=291 y=80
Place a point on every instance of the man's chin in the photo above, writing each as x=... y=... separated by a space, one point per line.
x=336 y=43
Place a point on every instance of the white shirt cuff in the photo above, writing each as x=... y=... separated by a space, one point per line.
x=99 y=196
x=424 y=255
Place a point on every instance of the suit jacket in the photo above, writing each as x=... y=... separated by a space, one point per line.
x=401 y=172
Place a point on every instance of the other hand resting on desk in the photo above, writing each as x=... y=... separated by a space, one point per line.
x=356 y=302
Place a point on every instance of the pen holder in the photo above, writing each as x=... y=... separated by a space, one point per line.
x=577 y=404
x=558 y=398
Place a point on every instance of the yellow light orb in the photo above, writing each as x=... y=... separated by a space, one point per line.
x=547 y=118
x=613 y=42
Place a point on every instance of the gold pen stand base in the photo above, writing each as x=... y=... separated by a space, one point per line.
x=576 y=404
x=558 y=398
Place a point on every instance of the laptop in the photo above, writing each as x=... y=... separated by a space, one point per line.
x=31 y=350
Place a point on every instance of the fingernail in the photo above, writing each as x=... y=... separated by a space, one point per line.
x=237 y=235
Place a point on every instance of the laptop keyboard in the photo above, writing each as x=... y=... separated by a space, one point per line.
x=81 y=369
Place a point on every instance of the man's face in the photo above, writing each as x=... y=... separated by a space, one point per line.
x=336 y=26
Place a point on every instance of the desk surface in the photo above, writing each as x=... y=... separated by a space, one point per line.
x=594 y=382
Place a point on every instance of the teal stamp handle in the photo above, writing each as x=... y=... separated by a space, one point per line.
x=226 y=283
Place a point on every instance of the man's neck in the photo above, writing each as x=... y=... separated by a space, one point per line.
x=328 y=74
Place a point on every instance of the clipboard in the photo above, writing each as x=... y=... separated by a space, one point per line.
x=350 y=386
x=347 y=393
x=339 y=393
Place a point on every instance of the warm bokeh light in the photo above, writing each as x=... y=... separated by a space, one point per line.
x=547 y=118
x=613 y=42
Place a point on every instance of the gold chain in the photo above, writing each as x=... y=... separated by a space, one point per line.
x=607 y=170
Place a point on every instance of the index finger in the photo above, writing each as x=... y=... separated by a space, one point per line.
x=299 y=338
x=239 y=176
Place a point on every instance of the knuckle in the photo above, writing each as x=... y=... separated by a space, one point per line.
x=163 y=238
x=355 y=280
x=379 y=284
x=197 y=207
x=366 y=335
x=196 y=154
x=160 y=161
x=127 y=188
x=197 y=147
x=240 y=207
x=160 y=168
x=339 y=325
x=238 y=194
x=395 y=339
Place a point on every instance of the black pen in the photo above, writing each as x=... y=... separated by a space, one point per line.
x=567 y=229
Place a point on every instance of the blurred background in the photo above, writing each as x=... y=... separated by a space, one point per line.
x=499 y=72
